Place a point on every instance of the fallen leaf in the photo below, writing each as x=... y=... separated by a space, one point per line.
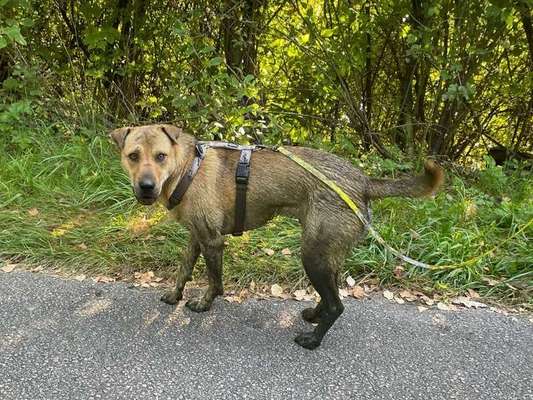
x=33 y=212
x=252 y=286
x=269 y=252
x=358 y=292
x=473 y=294
x=490 y=281
x=233 y=299
x=160 y=237
x=446 y=307
x=343 y=293
x=399 y=300
x=427 y=300
x=300 y=294
x=276 y=290
x=82 y=246
x=104 y=279
x=38 y=268
x=465 y=301
x=80 y=277
x=286 y=252
x=439 y=320
x=8 y=267
x=144 y=277
x=398 y=271
x=350 y=281
x=421 y=308
x=388 y=294
x=407 y=295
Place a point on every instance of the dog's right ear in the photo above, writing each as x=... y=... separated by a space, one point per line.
x=119 y=136
x=172 y=132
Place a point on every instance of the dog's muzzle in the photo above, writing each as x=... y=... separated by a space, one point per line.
x=146 y=191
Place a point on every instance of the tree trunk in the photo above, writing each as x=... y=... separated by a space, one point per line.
x=367 y=90
x=405 y=134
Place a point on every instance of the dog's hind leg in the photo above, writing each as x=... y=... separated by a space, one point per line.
x=321 y=270
x=188 y=261
x=325 y=243
x=212 y=252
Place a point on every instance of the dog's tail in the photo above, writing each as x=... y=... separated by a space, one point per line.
x=416 y=186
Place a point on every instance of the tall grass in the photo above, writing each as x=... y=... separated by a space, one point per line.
x=64 y=201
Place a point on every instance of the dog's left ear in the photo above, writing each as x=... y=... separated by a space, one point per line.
x=173 y=132
x=119 y=136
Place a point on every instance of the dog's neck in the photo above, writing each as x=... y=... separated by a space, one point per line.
x=185 y=151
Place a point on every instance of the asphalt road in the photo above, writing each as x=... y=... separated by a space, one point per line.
x=62 y=339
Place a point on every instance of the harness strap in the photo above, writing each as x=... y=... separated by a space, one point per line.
x=186 y=180
x=242 y=175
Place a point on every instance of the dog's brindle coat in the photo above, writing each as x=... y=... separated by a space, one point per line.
x=157 y=156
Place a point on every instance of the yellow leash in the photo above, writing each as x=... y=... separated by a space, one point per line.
x=333 y=186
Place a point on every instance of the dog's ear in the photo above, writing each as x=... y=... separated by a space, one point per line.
x=173 y=132
x=119 y=136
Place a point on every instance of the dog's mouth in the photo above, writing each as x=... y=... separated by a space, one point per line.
x=146 y=200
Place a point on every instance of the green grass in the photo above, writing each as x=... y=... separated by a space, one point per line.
x=88 y=222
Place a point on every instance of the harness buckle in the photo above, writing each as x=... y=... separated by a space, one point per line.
x=243 y=173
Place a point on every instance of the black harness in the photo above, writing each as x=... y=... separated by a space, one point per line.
x=242 y=175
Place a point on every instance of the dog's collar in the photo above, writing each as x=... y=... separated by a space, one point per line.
x=184 y=183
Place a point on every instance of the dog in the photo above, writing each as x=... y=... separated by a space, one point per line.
x=157 y=157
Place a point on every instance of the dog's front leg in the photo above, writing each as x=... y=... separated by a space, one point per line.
x=188 y=260
x=212 y=251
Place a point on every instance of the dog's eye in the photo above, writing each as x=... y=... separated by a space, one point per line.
x=161 y=157
x=133 y=156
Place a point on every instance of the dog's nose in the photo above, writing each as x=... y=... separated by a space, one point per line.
x=147 y=184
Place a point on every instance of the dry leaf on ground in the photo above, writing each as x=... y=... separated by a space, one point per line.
x=300 y=294
x=233 y=299
x=82 y=246
x=473 y=294
x=388 y=294
x=358 y=292
x=276 y=290
x=343 y=293
x=490 y=281
x=446 y=307
x=350 y=281
x=398 y=271
x=103 y=279
x=465 y=301
x=8 y=267
x=80 y=277
x=407 y=295
x=427 y=300
x=33 y=212
x=399 y=300
x=286 y=252
x=269 y=252
x=421 y=308
x=144 y=277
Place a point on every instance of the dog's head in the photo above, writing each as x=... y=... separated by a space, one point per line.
x=149 y=155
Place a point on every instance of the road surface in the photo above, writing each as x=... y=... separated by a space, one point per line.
x=64 y=339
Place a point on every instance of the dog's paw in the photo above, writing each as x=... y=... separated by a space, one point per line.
x=308 y=340
x=198 y=305
x=170 y=297
x=310 y=315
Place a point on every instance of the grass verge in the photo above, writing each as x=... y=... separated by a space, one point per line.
x=65 y=202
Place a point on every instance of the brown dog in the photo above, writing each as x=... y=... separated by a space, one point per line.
x=158 y=156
